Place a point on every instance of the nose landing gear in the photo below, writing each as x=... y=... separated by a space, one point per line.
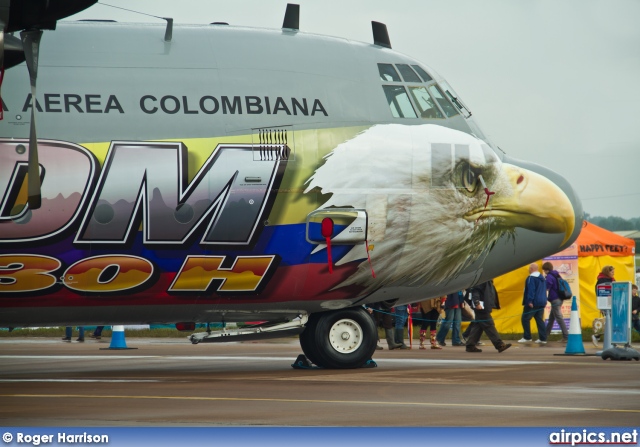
x=340 y=339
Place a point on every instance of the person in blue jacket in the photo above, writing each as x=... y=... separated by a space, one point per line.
x=534 y=302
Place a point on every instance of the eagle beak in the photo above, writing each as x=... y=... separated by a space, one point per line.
x=533 y=202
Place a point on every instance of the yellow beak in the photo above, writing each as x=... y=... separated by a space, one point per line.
x=535 y=203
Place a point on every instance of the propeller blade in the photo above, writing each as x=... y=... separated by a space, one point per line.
x=31 y=44
x=1 y=64
x=2 y=26
x=1 y=44
x=4 y=17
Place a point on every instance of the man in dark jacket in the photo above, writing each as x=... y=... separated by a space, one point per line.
x=484 y=298
x=534 y=302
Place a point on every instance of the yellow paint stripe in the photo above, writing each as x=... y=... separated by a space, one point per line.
x=319 y=401
x=291 y=205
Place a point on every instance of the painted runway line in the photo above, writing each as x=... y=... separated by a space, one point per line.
x=81 y=380
x=385 y=404
x=271 y=359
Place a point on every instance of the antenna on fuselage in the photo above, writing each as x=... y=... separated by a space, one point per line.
x=168 y=32
x=292 y=17
x=380 y=34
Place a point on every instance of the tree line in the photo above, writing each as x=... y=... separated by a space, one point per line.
x=614 y=223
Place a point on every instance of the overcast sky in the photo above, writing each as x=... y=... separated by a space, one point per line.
x=556 y=82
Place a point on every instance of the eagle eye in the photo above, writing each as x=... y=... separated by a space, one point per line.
x=469 y=177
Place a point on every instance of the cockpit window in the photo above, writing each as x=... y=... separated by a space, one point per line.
x=388 y=73
x=423 y=74
x=407 y=73
x=399 y=102
x=456 y=100
x=426 y=105
x=444 y=103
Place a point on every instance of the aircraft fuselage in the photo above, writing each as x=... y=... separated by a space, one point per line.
x=194 y=180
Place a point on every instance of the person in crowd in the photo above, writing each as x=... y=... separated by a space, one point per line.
x=452 y=319
x=68 y=333
x=484 y=297
x=635 y=308
x=606 y=275
x=385 y=318
x=401 y=317
x=374 y=311
x=551 y=279
x=465 y=335
x=430 y=311
x=534 y=301
x=97 y=333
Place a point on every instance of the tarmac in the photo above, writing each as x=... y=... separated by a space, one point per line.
x=170 y=382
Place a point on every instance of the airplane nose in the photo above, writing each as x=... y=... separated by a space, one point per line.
x=548 y=196
x=543 y=210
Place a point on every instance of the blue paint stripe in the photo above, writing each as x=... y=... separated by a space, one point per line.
x=287 y=241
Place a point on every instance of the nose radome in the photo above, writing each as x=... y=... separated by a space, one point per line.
x=543 y=200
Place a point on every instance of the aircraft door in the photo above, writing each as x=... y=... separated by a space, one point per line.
x=340 y=237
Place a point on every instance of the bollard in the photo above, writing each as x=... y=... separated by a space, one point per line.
x=117 y=338
x=574 y=342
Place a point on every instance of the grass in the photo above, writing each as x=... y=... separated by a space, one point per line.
x=48 y=332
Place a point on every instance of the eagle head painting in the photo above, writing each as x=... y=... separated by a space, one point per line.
x=436 y=200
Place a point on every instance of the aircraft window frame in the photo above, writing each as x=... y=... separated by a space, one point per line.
x=426 y=77
x=390 y=70
x=457 y=102
x=434 y=109
x=444 y=102
x=399 y=109
x=407 y=73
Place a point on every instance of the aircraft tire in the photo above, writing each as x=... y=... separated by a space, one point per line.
x=344 y=338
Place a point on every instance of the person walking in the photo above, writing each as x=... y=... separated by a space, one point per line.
x=551 y=279
x=452 y=319
x=534 y=302
x=484 y=298
x=68 y=332
x=97 y=333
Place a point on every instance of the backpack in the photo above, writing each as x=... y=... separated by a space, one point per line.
x=564 y=291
